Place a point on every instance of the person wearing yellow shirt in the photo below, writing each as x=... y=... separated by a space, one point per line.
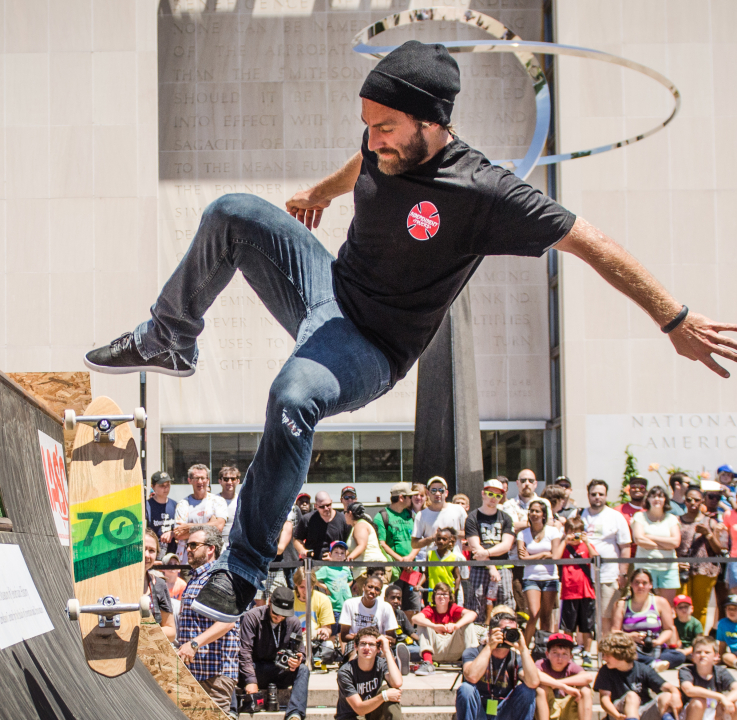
x=321 y=609
x=445 y=539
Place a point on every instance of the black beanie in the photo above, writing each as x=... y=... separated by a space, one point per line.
x=417 y=79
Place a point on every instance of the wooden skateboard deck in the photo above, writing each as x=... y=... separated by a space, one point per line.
x=107 y=524
x=162 y=661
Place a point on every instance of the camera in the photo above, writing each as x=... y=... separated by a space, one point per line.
x=283 y=655
x=647 y=643
x=577 y=536
x=511 y=635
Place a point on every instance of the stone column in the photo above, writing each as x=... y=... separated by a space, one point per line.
x=447 y=436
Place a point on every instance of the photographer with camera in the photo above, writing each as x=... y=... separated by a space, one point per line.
x=272 y=651
x=500 y=679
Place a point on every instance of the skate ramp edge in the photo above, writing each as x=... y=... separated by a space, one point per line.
x=46 y=676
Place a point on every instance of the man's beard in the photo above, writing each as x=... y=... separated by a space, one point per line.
x=412 y=154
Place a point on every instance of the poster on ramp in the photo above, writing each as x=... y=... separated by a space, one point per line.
x=22 y=613
x=52 y=455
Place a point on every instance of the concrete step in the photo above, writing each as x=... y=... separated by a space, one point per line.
x=411 y=713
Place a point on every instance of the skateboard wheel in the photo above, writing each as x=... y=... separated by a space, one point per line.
x=73 y=609
x=70 y=420
x=139 y=417
x=145 y=605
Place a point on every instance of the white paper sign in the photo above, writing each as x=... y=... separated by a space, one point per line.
x=22 y=614
x=52 y=455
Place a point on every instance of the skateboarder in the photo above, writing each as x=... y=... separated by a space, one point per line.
x=428 y=208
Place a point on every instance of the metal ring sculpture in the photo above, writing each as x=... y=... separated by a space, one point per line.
x=506 y=41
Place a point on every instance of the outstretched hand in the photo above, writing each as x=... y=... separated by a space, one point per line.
x=697 y=338
x=306 y=208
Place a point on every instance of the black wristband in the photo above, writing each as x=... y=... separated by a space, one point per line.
x=676 y=321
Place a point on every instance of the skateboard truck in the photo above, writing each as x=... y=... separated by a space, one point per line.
x=109 y=609
x=104 y=425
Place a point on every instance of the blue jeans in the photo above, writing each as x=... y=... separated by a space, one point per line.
x=333 y=368
x=518 y=705
x=673 y=657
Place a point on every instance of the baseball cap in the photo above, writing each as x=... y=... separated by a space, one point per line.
x=678 y=599
x=711 y=486
x=169 y=557
x=561 y=639
x=348 y=487
x=303 y=495
x=160 y=477
x=337 y=543
x=437 y=479
x=402 y=488
x=563 y=479
x=726 y=468
x=638 y=480
x=731 y=600
x=282 y=602
x=493 y=484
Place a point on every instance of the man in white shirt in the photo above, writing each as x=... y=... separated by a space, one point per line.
x=609 y=533
x=230 y=478
x=360 y=612
x=516 y=508
x=199 y=508
x=438 y=514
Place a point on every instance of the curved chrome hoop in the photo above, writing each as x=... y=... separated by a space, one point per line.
x=506 y=41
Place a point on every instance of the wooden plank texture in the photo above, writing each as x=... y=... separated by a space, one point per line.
x=107 y=523
x=158 y=655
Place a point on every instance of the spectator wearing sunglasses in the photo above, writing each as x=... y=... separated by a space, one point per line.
x=569 y=509
x=438 y=514
x=319 y=528
x=348 y=496
x=208 y=648
x=490 y=536
x=713 y=499
x=517 y=508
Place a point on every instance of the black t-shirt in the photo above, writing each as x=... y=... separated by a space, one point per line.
x=354 y=681
x=500 y=678
x=317 y=535
x=160 y=518
x=640 y=679
x=721 y=680
x=489 y=528
x=416 y=239
x=406 y=628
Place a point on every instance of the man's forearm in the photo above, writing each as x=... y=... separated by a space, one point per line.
x=341 y=181
x=621 y=270
x=214 y=632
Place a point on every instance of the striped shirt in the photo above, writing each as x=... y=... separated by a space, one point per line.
x=219 y=657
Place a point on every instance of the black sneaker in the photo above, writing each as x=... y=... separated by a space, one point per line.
x=121 y=356
x=225 y=597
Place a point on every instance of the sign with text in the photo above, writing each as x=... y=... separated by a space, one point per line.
x=692 y=441
x=22 y=613
x=52 y=456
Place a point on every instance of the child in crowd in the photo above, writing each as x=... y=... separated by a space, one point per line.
x=727 y=632
x=558 y=676
x=687 y=626
x=577 y=596
x=624 y=684
x=406 y=633
x=174 y=584
x=704 y=685
x=336 y=581
x=445 y=540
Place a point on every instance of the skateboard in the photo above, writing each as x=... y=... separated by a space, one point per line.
x=172 y=675
x=107 y=525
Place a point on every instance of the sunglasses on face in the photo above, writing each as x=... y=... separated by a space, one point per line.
x=693 y=500
x=437 y=490
x=194 y=545
x=531 y=481
x=348 y=497
x=323 y=507
x=712 y=496
x=491 y=494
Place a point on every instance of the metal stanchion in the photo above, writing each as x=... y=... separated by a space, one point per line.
x=596 y=565
x=308 y=611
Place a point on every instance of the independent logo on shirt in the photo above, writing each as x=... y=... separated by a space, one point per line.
x=423 y=221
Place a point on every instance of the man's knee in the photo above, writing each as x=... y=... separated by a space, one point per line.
x=299 y=400
x=232 y=205
x=302 y=671
x=467 y=694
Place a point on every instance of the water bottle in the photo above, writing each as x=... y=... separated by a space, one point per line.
x=272 y=700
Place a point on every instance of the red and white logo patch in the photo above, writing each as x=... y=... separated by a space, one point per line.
x=423 y=221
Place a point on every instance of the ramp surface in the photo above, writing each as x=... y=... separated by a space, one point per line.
x=47 y=676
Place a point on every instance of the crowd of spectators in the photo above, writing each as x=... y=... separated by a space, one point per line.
x=379 y=622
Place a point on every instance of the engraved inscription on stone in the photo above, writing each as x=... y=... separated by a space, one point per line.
x=261 y=97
